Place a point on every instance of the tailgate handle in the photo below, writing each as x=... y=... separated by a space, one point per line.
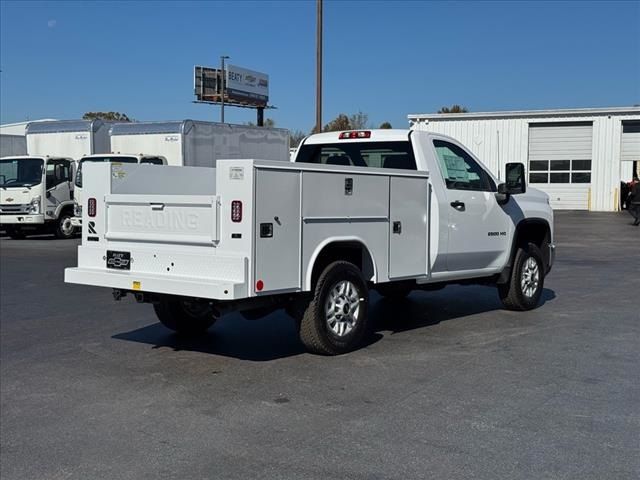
x=157 y=206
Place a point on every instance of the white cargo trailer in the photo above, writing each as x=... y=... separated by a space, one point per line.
x=199 y=144
x=68 y=138
x=12 y=145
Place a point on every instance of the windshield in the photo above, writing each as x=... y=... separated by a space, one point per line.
x=20 y=172
x=106 y=158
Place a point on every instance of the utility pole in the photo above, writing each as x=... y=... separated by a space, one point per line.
x=318 y=66
x=222 y=78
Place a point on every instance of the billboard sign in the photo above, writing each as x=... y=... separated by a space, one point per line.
x=205 y=82
x=243 y=84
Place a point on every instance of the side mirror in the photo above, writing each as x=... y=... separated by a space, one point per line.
x=515 y=183
x=58 y=173
x=515 y=179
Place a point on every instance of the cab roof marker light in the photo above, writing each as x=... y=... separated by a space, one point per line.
x=355 y=134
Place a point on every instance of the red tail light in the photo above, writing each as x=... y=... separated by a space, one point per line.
x=355 y=134
x=92 y=207
x=236 y=211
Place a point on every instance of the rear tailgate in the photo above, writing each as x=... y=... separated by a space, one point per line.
x=155 y=229
x=181 y=219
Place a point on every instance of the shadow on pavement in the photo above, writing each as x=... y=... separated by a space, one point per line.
x=275 y=336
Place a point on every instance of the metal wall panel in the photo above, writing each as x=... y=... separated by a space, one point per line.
x=496 y=141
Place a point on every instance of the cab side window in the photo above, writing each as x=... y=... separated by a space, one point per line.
x=152 y=160
x=58 y=171
x=460 y=170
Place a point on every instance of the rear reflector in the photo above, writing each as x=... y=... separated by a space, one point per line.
x=236 y=211
x=356 y=134
x=91 y=207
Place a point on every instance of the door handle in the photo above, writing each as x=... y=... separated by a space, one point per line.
x=458 y=205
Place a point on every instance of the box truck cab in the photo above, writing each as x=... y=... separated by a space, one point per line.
x=36 y=195
x=118 y=158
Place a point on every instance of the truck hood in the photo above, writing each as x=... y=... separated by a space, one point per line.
x=17 y=195
x=537 y=195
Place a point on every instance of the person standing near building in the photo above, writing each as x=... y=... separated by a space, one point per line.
x=633 y=201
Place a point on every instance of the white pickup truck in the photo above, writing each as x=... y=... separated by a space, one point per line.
x=391 y=210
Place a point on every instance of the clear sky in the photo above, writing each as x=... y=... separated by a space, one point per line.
x=385 y=58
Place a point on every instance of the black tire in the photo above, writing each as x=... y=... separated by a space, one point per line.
x=16 y=233
x=511 y=293
x=63 y=229
x=184 y=316
x=394 y=291
x=315 y=332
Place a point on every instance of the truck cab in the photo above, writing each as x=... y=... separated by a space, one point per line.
x=117 y=158
x=36 y=195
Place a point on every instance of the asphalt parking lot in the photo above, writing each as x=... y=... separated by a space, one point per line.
x=451 y=386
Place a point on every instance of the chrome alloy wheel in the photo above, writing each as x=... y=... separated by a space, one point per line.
x=530 y=278
x=342 y=308
x=66 y=227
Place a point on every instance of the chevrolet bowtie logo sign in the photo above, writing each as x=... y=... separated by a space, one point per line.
x=9 y=199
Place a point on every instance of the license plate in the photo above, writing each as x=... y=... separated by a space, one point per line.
x=118 y=260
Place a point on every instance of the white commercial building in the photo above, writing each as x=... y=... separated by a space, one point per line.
x=578 y=156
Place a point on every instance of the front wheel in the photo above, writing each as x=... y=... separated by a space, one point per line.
x=64 y=228
x=185 y=316
x=524 y=288
x=336 y=319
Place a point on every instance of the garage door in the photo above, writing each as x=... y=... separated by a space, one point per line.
x=630 y=145
x=560 y=163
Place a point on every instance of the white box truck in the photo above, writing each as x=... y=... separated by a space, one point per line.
x=391 y=210
x=36 y=195
x=35 y=180
x=68 y=138
x=12 y=145
x=199 y=144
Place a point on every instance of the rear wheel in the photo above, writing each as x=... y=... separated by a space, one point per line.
x=64 y=228
x=336 y=319
x=524 y=288
x=16 y=233
x=185 y=316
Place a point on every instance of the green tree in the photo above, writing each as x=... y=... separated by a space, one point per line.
x=109 y=116
x=385 y=125
x=455 y=108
